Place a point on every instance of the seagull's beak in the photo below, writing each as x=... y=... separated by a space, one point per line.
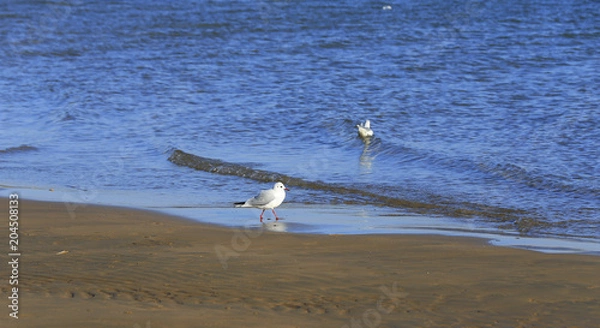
x=286 y=189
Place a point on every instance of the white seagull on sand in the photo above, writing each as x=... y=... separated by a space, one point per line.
x=266 y=199
x=364 y=129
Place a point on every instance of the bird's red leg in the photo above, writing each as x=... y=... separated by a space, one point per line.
x=276 y=218
x=261 y=215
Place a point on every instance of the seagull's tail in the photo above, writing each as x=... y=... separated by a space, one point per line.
x=240 y=204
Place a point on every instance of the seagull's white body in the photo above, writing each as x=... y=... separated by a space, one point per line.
x=266 y=199
x=364 y=129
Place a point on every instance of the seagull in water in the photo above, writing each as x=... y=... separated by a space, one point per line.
x=364 y=129
x=266 y=199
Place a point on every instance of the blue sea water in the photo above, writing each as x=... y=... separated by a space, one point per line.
x=487 y=112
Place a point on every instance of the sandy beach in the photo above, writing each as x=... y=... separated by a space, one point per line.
x=115 y=267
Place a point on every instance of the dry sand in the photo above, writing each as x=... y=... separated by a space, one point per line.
x=114 y=267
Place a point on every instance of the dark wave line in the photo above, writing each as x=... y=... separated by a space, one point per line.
x=520 y=219
x=17 y=149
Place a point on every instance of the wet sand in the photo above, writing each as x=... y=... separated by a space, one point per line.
x=115 y=267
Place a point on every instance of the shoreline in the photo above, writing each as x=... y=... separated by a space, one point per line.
x=328 y=219
x=119 y=267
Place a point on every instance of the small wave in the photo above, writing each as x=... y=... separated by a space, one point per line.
x=355 y=195
x=334 y=45
x=535 y=179
x=18 y=149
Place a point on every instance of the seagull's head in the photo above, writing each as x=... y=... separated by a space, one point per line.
x=280 y=185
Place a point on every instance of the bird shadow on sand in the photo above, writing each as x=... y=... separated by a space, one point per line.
x=276 y=226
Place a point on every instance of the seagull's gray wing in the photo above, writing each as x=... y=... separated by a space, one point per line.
x=263 y=198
